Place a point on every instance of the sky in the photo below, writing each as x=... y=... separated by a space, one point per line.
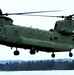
x=13 y=6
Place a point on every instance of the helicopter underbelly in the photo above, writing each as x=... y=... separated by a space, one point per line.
x=47 y=46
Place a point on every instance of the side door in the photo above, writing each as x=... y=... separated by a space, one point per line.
x=15 y=34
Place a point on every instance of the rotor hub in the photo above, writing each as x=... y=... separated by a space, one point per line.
x=69 y=17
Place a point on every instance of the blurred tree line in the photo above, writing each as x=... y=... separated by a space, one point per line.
x=38 y=65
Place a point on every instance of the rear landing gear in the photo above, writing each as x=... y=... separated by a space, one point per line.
x=32 y=51
x=16 y=52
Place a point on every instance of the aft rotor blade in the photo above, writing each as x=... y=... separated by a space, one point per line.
x=46 y=16
x=31 y=12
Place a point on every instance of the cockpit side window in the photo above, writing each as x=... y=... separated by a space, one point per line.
x=55 y=26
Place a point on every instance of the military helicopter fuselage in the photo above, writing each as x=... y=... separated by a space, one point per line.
x=59 y=39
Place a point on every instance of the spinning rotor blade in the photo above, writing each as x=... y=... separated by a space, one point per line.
x=68 y=17
x=47 y=16
x=24 y=13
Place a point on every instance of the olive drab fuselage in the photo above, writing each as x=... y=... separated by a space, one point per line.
x=61 y=38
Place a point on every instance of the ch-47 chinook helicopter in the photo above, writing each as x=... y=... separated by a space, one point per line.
x=59 y=39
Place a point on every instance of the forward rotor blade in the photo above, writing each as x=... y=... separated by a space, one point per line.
x=31 y=12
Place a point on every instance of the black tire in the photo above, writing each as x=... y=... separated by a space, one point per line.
x=16 y=53
x=53 y=55
x=32 y=52
x=70 y=54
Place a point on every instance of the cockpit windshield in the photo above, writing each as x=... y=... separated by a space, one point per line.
x=55 y=26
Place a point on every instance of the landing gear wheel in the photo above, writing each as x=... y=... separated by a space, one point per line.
x=70 y=54
x=32 y=52
x=16 y=53
x=53 y=55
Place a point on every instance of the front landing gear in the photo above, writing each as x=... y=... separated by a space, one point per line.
x=70 y=54
x=53 y=55
x=16 y=52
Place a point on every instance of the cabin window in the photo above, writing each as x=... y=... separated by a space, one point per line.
x=51 y=38
x=4 y=32
x=73 y=38
x=55 y=38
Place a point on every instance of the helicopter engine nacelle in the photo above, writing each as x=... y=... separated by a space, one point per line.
x=65 y=31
